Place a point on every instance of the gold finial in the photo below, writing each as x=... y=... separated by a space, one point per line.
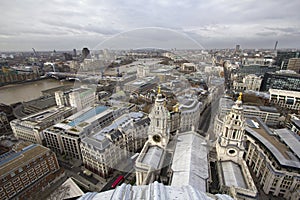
x=158 y=91
x=240 y=97
x=176 y=107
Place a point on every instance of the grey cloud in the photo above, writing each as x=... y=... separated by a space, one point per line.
x=209 y=22
x=267 y=33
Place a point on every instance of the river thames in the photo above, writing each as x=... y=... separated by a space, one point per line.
x=10 y=94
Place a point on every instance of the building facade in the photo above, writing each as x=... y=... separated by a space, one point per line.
x=249 y=82
x=284 y=56
x=269 y=115
x=190 y=109
x=30 y=128
x=104 y=150
x=64 y=137
x=294 y=64
x=281 y=80
x=285 y=99
x=79 y=98
x=274 y=159
x=27 y=170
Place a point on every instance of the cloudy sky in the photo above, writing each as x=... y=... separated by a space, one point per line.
x=68 y=24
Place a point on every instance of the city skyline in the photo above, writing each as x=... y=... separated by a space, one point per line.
x=63 y=25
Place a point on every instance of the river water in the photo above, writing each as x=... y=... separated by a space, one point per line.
x=10 y=94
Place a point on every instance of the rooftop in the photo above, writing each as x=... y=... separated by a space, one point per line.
x=289 y=138
x=190 y=164
x=20 y=158
x=46 y=114
x=85 y=114
x=233 y=175
x=268 y=139
x=99 y=139
x=296 y=122
x=153 y=156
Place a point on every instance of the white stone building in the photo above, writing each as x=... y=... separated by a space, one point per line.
x=269 y=115
x=285 y=98
x=79 y=98
x=105 y=149
x=30 y=128
x=64 y=137
x=190 y=113
x=249 y=82
x=274 y=157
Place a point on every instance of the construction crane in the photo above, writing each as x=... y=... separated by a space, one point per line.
x=34 y=52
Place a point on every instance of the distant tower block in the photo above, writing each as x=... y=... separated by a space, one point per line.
x=237 y=48
x=74 y=53
x=275 y=47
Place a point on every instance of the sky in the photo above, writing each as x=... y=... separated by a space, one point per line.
x=96 y=24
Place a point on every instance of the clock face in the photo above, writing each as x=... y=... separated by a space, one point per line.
x=156 y=138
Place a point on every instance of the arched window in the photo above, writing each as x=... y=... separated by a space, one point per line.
x=233 y=134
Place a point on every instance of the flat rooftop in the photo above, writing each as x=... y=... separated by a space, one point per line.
x=232 y=174
x=20 y=158
x=44 y=115
x=190 y=164
x=267 y=138
x=289 y=138
x=153 y=156
x=86 y=114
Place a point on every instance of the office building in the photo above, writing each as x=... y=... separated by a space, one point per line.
x=285 y=99
x=273 y=156
x=283 y=80
x=30 y=128
x=64 y=137
x=294 y=124
x=79 y=98
x=190 y=109
x=258 y=70
x=188 y=67
x=142 y=84
x=106 y=149
x=284 y=56
x=294 y=64
x=26 y=170
x=249 y=82
x=269 y=115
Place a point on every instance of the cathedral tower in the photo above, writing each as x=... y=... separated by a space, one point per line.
x=159 y=129
x=230 y=143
